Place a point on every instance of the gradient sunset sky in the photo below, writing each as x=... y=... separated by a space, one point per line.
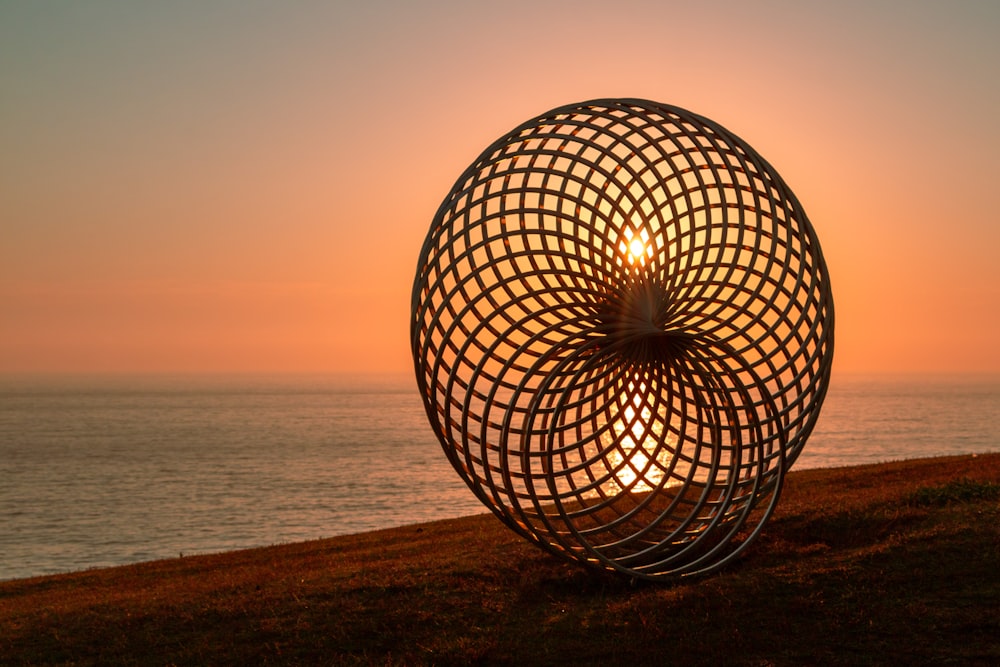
x=245 y=186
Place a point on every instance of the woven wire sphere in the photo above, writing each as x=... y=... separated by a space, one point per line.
x=622 y=330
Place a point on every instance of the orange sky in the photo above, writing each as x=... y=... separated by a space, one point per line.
x=223 y=186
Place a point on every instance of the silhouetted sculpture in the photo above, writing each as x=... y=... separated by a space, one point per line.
x=622 y=328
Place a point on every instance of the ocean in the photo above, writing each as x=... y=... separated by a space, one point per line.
x=107 y=471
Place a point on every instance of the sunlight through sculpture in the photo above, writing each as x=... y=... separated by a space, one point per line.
x=622 y=329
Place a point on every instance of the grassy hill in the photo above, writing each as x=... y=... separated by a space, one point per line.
x=896 y=563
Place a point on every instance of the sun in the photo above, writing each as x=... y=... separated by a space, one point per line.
x=637 y=249
x=635 y=246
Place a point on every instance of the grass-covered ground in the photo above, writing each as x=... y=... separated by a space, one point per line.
x=889 y=564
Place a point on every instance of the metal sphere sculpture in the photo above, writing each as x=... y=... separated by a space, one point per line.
x=622 y=330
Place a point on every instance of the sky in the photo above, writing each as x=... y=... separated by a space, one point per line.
x=244 y=186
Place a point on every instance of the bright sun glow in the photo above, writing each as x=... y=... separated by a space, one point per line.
x=636 y=433
x=635 y=246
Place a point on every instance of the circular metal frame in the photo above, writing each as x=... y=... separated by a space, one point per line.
x=622 y=331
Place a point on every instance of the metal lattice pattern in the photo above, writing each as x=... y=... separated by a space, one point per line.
x=622 y=328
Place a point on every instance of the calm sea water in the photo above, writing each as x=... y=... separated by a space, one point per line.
x=108 y=471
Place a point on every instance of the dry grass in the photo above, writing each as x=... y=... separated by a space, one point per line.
x=891 y=564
